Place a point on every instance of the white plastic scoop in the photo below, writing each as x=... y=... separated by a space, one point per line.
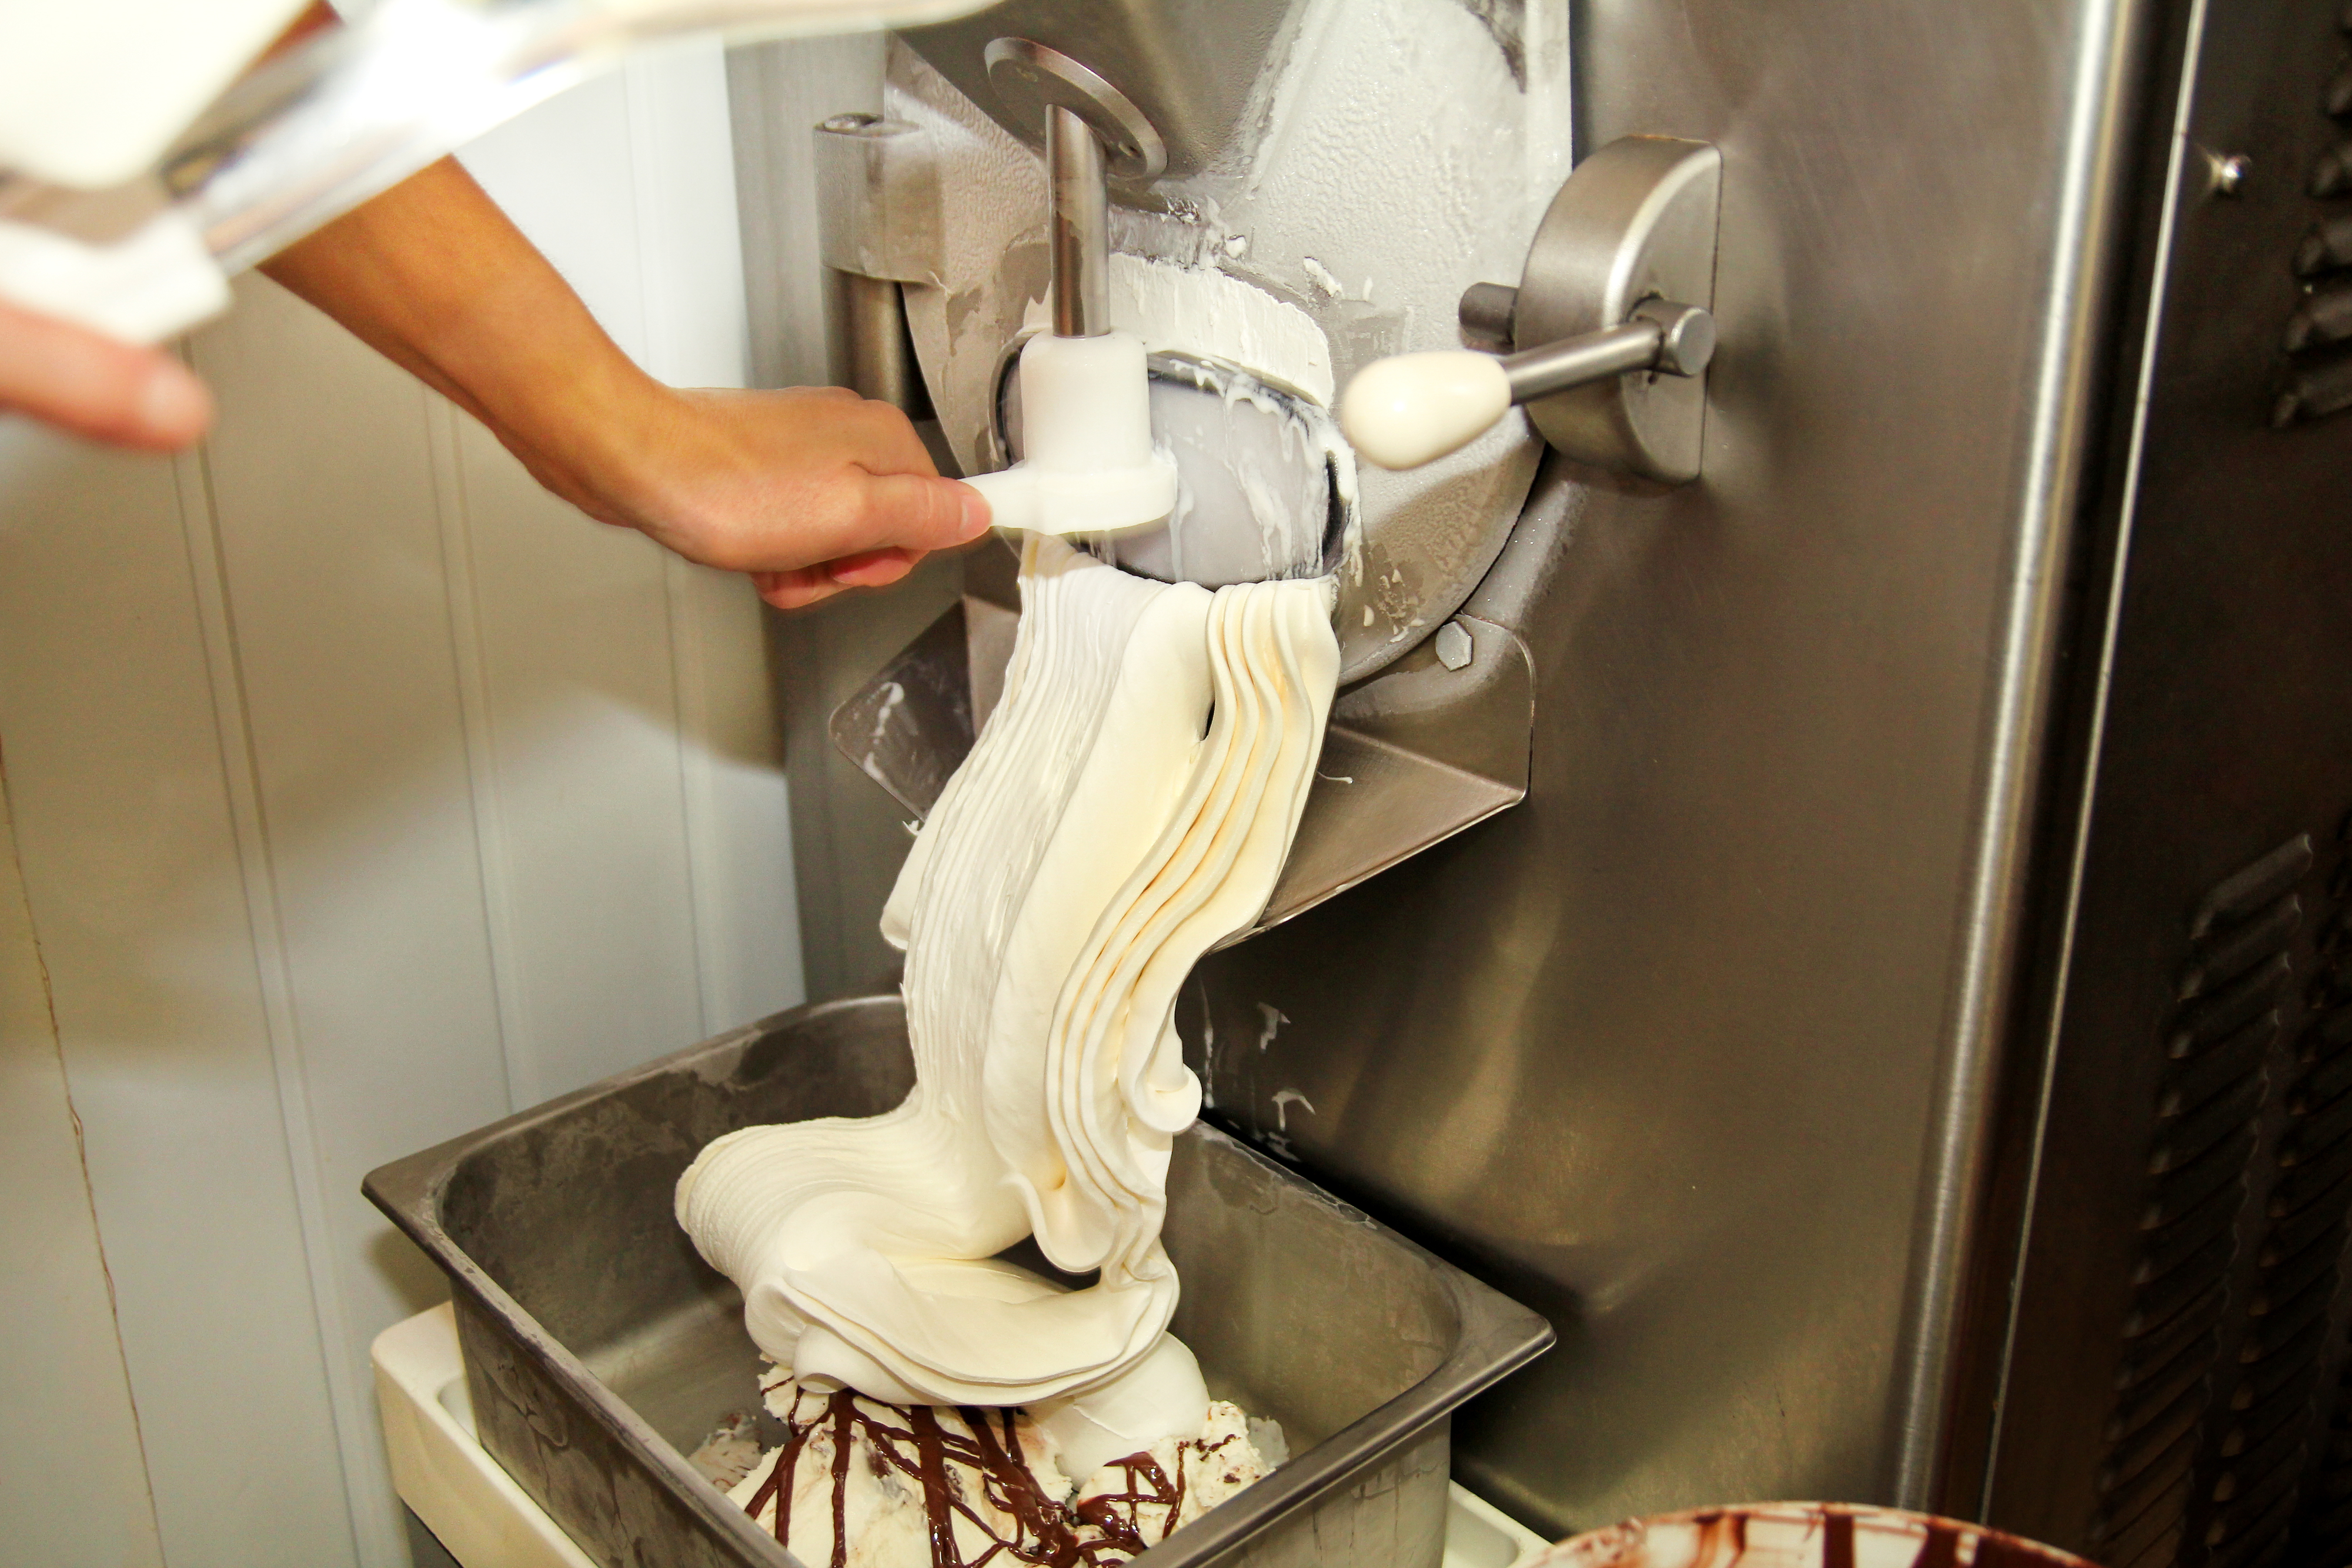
x=1089 y=464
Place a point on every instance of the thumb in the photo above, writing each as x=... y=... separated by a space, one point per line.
x=918 y=512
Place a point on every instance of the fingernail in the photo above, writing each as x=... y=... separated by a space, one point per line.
x=975 y=513
x=174 y=406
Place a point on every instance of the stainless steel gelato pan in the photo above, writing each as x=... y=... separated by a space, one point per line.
x=600 y=1349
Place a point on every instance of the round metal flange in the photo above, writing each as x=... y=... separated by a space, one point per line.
x=1029 y=77
x=1635 y=223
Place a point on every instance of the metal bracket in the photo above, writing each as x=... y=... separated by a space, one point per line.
x=878 y=199
x=1033 y=80
x=1429 y=747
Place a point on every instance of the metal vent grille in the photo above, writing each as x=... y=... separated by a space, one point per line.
x=2324 y=1534
x=2319 y=336
x=2261 y=1392
x=2210 y=1093
x=2311 y=1247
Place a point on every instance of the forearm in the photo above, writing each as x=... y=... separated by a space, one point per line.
x=811 y=490
x=434 y=276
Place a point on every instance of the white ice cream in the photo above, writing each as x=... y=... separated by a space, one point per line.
x=1141 y=1498
x=1128 y=805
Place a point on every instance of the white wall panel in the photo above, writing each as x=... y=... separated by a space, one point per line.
x=657 y=258
x=364 y=792
x=690 y=267
x=320 y=580
x=73 y=1482
x=582 y=712
x=133 y=873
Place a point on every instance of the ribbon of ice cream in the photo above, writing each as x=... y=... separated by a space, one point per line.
x=1128 y=805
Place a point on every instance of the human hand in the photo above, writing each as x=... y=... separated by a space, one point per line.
x=810 y=490
x=95 y=386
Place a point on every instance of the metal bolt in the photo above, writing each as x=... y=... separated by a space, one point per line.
x=1686 y=336
x=1454 y=645
x=2229 y=174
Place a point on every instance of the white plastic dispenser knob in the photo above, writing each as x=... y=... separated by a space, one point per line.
x=1088 y=466
x=1402 y=412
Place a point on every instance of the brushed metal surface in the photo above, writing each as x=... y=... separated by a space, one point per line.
x=1692 y=1048
x=1189 y=68
x=1077 y=227
x=865 y=338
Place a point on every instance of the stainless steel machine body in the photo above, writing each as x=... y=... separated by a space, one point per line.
x=1900 y=1037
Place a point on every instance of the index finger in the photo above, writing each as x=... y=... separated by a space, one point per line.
x=93 y=385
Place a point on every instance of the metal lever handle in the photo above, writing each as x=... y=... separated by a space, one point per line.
x=1403 y=411
x=1674 y=339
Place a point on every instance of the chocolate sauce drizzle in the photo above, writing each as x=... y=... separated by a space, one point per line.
x=1941 y=1549
x=1940 y=1546
x=1722 y=1539
x=1123 y=1533
x=1045 y=1532
x=1837 y=1540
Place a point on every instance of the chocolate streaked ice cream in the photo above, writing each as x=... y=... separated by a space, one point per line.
x=858 y=1483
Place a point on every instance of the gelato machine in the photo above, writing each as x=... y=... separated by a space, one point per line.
x=1828 y=879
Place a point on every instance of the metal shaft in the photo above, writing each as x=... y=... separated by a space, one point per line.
x=866 y=340
x=1556 y=367
x=1678 y=339
x=1077 y=226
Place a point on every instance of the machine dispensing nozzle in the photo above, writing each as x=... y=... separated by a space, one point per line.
x=1088 y=465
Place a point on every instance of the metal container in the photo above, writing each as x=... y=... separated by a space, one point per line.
x=600 y=1348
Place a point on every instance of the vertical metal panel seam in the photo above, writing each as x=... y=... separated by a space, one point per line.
x=477 y=722
x=2103 y=681
x=1952 y=1176
x=240 y=773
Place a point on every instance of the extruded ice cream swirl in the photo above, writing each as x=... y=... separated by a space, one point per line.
x=1128 y=805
